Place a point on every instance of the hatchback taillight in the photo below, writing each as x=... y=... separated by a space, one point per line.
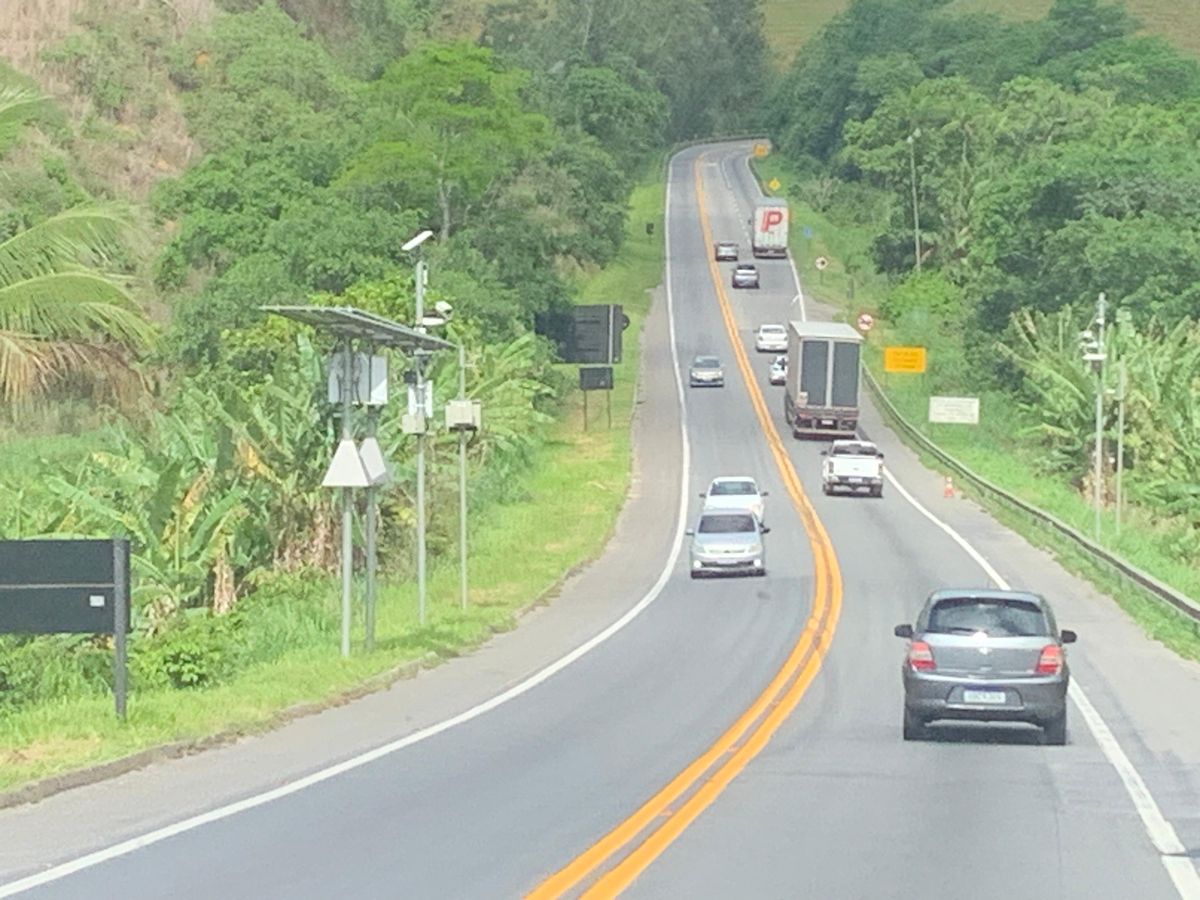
x=1051 y=660
x=920 y=657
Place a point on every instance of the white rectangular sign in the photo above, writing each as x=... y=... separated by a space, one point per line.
x=954 y=410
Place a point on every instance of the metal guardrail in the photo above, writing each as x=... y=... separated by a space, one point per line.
x=1147 y=582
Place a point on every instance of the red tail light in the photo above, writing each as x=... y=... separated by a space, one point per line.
x=1051 y=660
x=920 y=657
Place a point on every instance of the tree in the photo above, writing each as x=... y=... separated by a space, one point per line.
x=452 y=126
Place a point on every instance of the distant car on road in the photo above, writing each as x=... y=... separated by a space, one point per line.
x=770 y=339
x=853 y=465
x=725 y=251
x=745 y=275
x=779 y=370
x=706 y=371
x=735 y=492
x=728 y=542
x=987 y=655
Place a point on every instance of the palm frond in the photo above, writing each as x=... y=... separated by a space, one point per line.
x=73 y=305
x=90 y=234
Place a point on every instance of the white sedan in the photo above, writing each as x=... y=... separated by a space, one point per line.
x=735 y=492
x=779 y=370
x=770 y=339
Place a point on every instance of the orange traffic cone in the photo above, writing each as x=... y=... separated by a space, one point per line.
x=948 y=487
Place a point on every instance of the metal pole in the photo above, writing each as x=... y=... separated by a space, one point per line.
x=372 y=543
x=120 y=622
x=912 y=162
x=347 y=507
x=420 y=386
x=1098 y=470
x=1121 y=386
x=462 y=482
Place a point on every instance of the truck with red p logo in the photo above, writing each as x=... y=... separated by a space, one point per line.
x=770 y=224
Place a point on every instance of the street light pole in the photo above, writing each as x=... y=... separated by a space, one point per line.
x=462 y=480
x=912 y=163
x=419 y=359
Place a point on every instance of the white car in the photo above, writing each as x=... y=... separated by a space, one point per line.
x=735 y=492
x=853 y=465
x=771 y=339
x=779 y=370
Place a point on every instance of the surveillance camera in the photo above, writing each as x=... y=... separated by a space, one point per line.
x=444 y=308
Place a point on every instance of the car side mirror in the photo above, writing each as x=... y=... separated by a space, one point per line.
x=824 y=452
x=904 y=631
x=690 y=531
x=881 y=457
x=702 y=495
x=764 y=493
x=764 y=529
x=1069 y=637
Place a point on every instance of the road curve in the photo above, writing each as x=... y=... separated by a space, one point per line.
x=834 y=805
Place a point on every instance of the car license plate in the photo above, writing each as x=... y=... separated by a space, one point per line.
x=992 y=698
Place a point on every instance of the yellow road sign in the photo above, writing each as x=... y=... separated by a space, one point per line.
x=904 y=359
x=761 y=149
x=774 y=184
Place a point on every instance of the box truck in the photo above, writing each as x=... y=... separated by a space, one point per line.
x=821 y=392
x=769 y=228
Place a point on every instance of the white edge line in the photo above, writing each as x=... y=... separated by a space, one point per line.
x=126 y=847
x=1162 y=833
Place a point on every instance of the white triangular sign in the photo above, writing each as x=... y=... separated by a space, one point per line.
x=346 y=470
x=377 y=469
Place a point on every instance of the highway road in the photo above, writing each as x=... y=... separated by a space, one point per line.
x=731 y=738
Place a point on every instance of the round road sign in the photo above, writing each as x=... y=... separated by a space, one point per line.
x=821 y=262
x=865 y=321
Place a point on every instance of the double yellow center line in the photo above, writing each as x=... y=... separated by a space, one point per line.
x=665 y=816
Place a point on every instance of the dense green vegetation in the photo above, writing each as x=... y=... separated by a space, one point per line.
x=314 y=163
x=791 y=24
x=1050 y=160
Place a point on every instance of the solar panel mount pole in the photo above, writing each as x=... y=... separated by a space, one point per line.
x=347 y=508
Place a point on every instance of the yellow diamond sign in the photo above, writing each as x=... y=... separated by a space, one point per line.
x=774 y=184
x=760 y=149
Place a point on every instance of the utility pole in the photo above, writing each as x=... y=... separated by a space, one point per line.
x=1122 y=388
x=912 y=163
x=1098 y=471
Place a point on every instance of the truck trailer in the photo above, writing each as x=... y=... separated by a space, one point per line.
x=821 y=392
x=769 y=228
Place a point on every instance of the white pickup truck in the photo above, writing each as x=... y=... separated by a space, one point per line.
x=854 y=465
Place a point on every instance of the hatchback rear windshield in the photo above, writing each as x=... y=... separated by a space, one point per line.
x=995 y=617
x=726 y=488
x=727 y=523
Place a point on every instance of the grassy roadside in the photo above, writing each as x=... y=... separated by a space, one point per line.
x=994 y=449
x=578 y=482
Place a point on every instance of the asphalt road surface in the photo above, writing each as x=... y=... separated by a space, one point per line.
x=834 y=805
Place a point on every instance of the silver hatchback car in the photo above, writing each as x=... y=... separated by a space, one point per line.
x=728 y=541
x=986 y=655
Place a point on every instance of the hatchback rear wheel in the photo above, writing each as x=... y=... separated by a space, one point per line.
x=914 y=726
x=1054 y=731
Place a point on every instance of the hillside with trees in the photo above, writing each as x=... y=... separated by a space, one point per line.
x=172 y=167
x=1005 y=175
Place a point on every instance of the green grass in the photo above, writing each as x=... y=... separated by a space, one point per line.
x=569 y=502
x=790 y=24
x=993 y=449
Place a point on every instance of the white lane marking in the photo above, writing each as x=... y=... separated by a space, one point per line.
x=1162 y=833
x=153 y=837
